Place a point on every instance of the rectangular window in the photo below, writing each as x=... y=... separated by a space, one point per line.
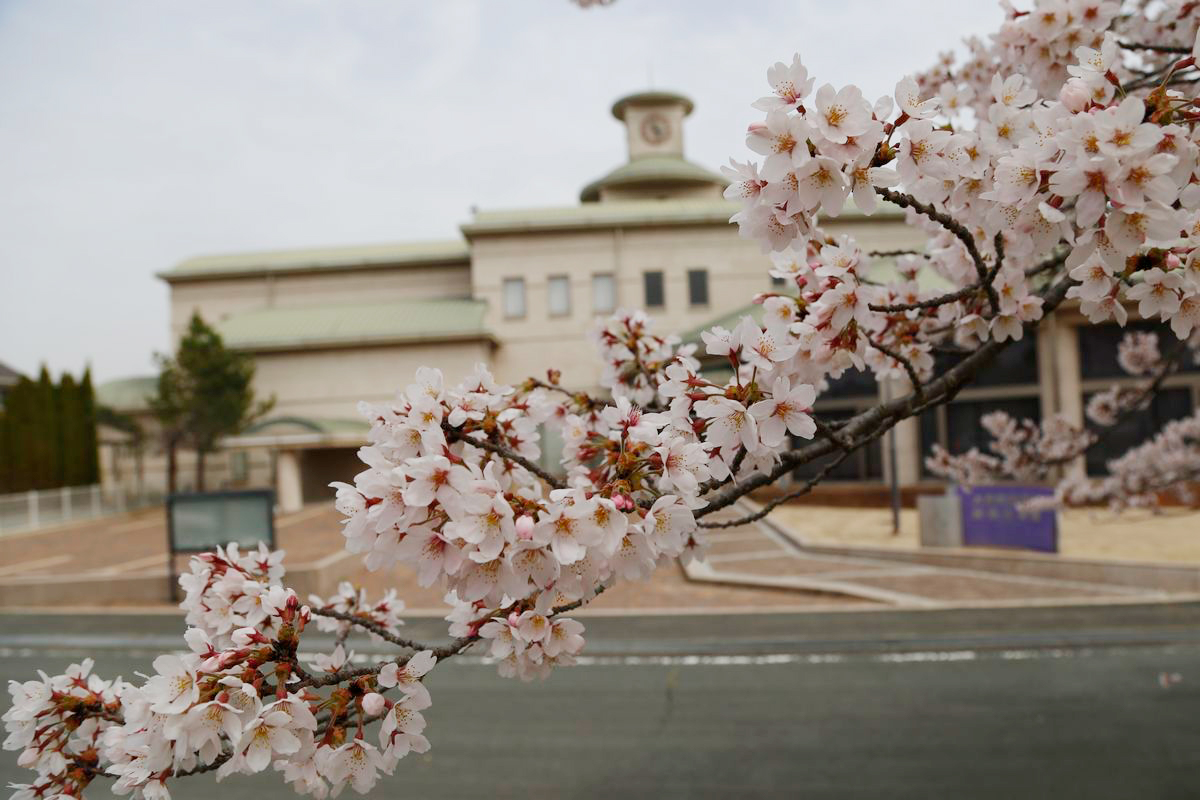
x=655 y=296
x=558 y=295
x=604 y=293
x=514 y=298
x=698 y=287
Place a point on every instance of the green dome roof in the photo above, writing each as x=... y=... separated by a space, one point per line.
x=653 y=171
x=651 y=98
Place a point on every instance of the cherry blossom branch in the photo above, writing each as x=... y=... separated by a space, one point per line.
x=1050 y=263
x=884 y=416
x=1157 y=48
x=775 y=503
x=370 y=626
x=505 y=453
x=953 y=226
x=913 y=377
x=894 y=253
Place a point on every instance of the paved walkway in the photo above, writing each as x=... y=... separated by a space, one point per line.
x=135 y=546
x=763 y=555
x=750 y=568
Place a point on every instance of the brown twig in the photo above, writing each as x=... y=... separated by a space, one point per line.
x=454 y=434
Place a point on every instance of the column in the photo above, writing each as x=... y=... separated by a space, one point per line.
x=287 y=479
x=1068 y=381
x=907 y=439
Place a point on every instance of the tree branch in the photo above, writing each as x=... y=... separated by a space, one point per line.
x=884 y=416
x=369 y=625
x=454 y=434
x=949 y=223
x=913 y=378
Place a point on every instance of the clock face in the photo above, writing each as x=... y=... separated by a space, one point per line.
x=656 y=129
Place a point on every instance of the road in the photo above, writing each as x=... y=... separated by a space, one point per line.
x=1029 y=703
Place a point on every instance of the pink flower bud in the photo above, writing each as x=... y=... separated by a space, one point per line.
x=373 y=703
x=524 y=527
x=1075 y=95
x=1173 y=261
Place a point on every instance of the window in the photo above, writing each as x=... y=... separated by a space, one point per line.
x=514 y=298
x=958 y=426
x=558 y=295
x=604 y=293
x=655 y=296
x=698 y=287
x=1098 y=345
x=1166 y=405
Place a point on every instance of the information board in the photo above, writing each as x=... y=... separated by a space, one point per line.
x=201 y=521
x=990 y=518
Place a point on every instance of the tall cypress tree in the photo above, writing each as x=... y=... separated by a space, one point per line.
x=70 y=454
x=47 y=454
x=7 y=451
x=21 y=422
x=91 y=442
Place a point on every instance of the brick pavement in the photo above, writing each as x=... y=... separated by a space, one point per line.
x=135 y=545
x=763 y=555
x=747 y=568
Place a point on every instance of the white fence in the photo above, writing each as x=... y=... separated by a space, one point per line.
x=27 y=511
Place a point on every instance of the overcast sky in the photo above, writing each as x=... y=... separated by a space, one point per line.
x=137 y=133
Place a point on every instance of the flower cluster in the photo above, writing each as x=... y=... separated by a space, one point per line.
x=1027 y=451
x=238 y=702
x=352 y=604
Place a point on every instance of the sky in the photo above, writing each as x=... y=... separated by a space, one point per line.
x=137 y=133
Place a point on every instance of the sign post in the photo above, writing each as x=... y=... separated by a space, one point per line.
x=201 y=521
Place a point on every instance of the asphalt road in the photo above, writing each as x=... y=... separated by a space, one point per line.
x=1017 y=703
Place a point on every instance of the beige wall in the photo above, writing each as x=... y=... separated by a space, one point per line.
x=328 y=384
x=219 y=298
x=737 y=270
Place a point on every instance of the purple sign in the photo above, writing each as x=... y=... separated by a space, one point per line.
x=990 y=518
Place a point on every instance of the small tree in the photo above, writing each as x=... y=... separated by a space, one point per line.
x=204 y=392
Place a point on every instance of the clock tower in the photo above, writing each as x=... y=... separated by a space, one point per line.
x=653 y=122
x=656 y=169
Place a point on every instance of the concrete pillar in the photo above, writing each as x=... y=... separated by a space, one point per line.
x=1047 y=366
x=908 y=451
x=1068 y=381
x=907 y=435
x=288 y=490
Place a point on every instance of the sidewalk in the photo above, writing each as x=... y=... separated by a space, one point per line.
x=1170 y=536
x=120 y=562
x=768 y=554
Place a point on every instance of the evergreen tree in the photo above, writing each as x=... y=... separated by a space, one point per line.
x=47 y=460
x=68 y=460
x=20 y=440
x=91 y=442
x=205 y=392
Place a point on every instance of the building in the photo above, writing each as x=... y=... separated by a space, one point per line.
x=8 y=379
x=521 y=289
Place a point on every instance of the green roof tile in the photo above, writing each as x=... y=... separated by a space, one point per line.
x=360 y=324
x=127 y=394
x=319 y=259
x=653 y=170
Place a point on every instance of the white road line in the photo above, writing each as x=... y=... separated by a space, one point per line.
x=701 y=659
x=39 y=563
